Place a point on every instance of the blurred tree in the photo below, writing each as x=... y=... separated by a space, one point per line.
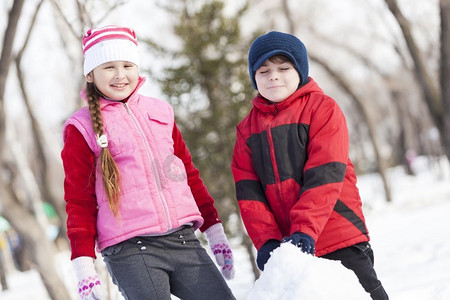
x=21 y=217
x=445 y=71
x=208 y=86
x=5 y=60
x=3 y=246
x=41 y=164
x=347 y=87
x=436 y=94
x=397 y=127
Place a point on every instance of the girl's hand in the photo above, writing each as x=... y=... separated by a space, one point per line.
x=221 y=249
x=89 y=286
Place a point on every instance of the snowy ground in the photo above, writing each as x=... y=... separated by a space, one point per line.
x=410 y=238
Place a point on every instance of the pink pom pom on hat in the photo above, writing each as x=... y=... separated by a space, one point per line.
x=109 y=43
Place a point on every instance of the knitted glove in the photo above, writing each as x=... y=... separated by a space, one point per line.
x=265 y=251
x=221 y=249
x=89 y=287
x=303 y=241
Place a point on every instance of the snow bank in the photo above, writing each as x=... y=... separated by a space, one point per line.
x=291 y=274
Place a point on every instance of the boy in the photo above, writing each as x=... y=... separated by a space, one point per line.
x=294 y=179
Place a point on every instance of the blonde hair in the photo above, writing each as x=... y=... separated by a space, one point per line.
x=110 y=171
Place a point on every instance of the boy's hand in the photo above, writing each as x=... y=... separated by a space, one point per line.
x=301 y=240
x=265 y=251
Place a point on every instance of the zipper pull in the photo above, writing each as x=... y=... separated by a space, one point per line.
x=275 y=111
x=127 y=108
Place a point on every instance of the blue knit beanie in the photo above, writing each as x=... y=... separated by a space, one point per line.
x=278 y=43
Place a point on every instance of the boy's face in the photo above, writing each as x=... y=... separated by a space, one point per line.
x=277 y=80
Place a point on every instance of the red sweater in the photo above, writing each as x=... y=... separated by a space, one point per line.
x=81 y=203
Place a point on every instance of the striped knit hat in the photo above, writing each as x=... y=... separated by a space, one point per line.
x=109 y=43
x=278 y=43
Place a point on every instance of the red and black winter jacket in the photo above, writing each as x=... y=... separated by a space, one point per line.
x=292 y=172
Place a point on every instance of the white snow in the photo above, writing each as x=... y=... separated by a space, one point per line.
x=291 y=274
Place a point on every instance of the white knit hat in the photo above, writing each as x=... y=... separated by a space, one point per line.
x=109 y=43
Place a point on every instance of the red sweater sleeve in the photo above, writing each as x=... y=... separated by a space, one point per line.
x=79 y=193
x=204 y=200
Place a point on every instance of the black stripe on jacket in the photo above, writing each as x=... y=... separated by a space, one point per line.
x=346 y=212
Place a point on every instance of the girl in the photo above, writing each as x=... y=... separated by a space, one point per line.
x=131 y=188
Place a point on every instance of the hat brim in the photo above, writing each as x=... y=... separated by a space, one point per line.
x=110 y=50
x=268 y=55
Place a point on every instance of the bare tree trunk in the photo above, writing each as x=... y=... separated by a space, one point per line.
x=430 y=91
x=445 y=71
x=36 y=243
x=402 y=117
x=248 y=245
x=3 y=281
x=35 y=238
x=5 y=61
x=37 y=136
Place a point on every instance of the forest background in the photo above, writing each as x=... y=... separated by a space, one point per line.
x=387 y=64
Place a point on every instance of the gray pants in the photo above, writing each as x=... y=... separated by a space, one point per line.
x=154 y=267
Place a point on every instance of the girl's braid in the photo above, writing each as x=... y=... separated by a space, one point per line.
x=110 y=171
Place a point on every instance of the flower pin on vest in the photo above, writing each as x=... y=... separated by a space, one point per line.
x=102 y=140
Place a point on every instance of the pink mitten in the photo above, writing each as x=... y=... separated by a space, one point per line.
x=89 y=286
x=221 y=249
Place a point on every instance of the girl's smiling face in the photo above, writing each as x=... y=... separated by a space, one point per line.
x=277 y=79
x=116 y=80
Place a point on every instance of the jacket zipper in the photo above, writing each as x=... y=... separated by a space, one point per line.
x=154 y=168
x=274 y=161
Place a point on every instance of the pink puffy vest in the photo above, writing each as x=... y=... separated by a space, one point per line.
x=155 y=196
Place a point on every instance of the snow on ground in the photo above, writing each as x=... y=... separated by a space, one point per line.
x=410 y=239
x=290 y=273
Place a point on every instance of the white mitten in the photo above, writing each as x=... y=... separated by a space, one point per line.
x=89 y=286
x=221 y=249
